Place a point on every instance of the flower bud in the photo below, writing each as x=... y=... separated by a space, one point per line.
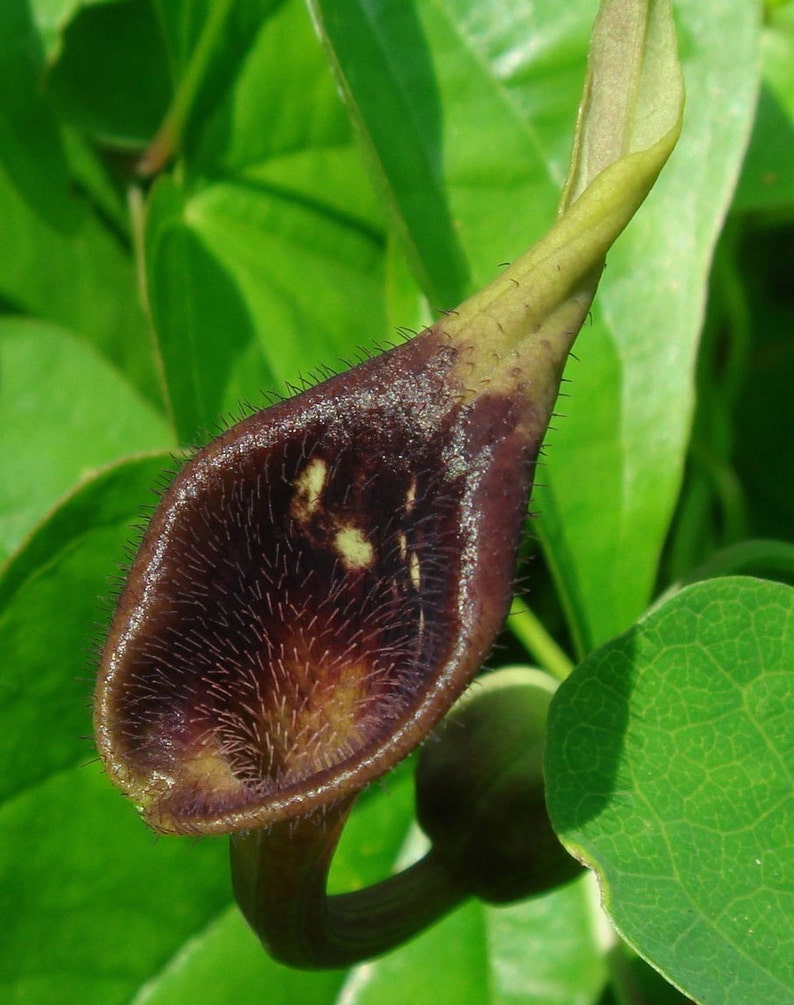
x=480 y=795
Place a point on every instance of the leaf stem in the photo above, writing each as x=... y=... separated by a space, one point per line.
x=168 y=138
x=531 y=633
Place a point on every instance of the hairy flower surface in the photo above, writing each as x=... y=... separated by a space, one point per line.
x=315 y=588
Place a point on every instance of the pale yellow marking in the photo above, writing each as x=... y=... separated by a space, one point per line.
x=410 y=496
x=309 y=487
x=402 y=540
x=321 y=732
x=355 y=550
x=413 y=570
x=208 y=770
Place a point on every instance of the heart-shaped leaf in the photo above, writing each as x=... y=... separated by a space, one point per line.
x=670 y=767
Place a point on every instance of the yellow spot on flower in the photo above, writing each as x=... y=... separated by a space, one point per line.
x=413 y=570
x=309 y=487
x=355 y=550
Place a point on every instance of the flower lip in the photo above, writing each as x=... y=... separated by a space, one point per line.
x=314 y=590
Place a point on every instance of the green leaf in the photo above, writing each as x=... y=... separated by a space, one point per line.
x=766 y=559
x=81 y=926
x=83 y=280
x=93 y=94
x=31 y=148
x=206 y=339
x=615 y=460
x=209 y=43
x=225 y=963
x=54 y=432
x=268 y=265
x=50 y=17
x=249 y=291
x=425 y=83
x=261 y=136
x=767 y=180
x=670 y=770
x=49 y=615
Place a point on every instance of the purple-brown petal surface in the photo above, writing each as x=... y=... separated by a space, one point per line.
x=314 y=590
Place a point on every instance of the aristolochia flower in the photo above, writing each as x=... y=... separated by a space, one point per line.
x=322 y=581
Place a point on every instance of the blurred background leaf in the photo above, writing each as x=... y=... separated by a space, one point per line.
x=60 y=401
x=94 y=95
x=31 y=142
x=265 y=255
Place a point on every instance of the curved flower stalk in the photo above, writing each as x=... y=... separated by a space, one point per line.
x=321 y=582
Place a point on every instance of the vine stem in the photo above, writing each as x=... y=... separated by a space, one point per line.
x=531 y=633
x=279 y=876
x=169 y=136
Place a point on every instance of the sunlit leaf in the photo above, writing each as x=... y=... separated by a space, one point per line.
x=671 y=771
x=54 y=432
x=271 y=265
x=82 y=280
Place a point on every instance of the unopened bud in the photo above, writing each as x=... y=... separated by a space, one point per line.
x=479 y=790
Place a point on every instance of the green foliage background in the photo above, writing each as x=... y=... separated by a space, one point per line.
x=326 y=193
